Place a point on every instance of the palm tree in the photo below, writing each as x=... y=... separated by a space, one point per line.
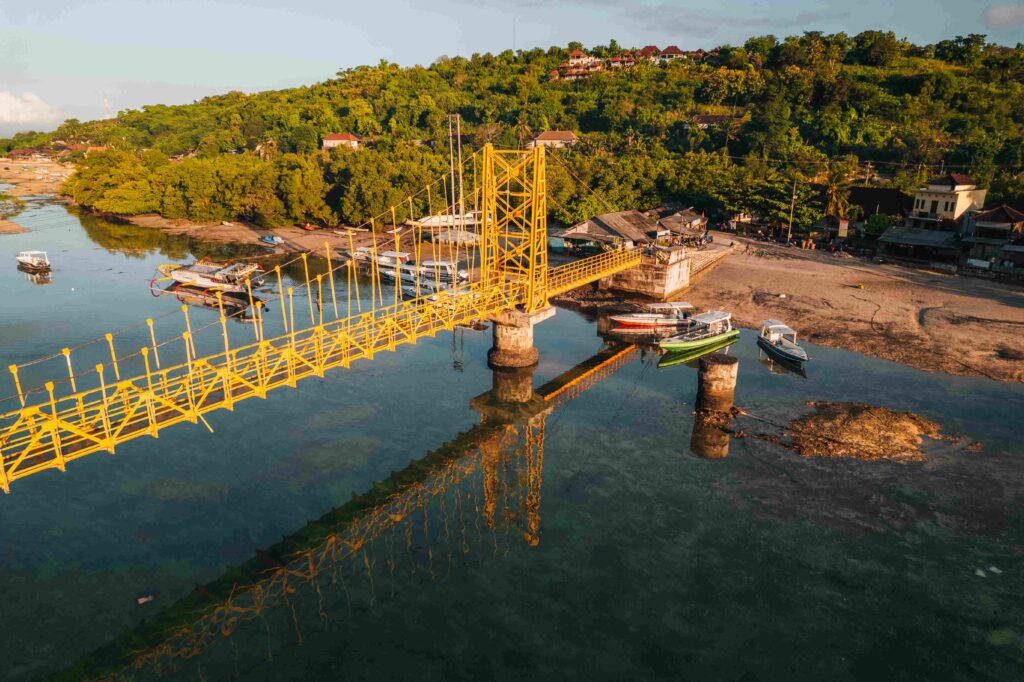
x=838 y=179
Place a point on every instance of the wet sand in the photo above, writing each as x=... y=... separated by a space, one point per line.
x=295 y=239
x=925 y=319
x=32 y=177
x=9 y=227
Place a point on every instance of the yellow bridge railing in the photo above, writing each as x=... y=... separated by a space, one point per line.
x=571 y=275
x=57 y=431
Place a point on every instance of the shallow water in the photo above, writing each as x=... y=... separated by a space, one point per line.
x=611 y=552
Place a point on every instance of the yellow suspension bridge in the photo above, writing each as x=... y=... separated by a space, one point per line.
x=51 y=428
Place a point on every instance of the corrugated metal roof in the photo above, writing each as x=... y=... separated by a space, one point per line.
x=915 y=236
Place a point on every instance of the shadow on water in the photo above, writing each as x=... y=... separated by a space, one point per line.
x=134 y=241
x=479 y=493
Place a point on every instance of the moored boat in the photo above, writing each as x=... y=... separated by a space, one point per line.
x=687 y=357
x=658 y=315
x=33 y=261
x=208 y=274
x=705 y=329
x=779 y=340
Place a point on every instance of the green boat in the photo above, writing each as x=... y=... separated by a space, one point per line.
x=706 y=329
x=689 y=357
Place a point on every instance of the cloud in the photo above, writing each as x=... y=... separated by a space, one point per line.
x=695 y=22
x=1003 y=16
x=28 y=109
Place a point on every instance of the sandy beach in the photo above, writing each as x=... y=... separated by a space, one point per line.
x=932 y=321
x=10 y=227
x=34 y=176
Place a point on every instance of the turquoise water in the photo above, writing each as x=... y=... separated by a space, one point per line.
x=617 y=553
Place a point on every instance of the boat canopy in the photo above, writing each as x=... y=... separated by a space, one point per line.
x=711 y=317
x=32 y=254
x=669 y=307
x=778 y=327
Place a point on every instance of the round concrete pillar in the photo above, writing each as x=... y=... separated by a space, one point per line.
x=513 y=346
x=716 y=384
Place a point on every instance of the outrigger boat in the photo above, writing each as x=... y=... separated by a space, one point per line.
x=235 y=305
x=780 y=340
x=207 y=274
x=705 y=329
x=687 y=357
x=659 y=315
x=33 y=261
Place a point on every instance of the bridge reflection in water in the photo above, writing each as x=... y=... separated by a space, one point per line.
x=479 y=493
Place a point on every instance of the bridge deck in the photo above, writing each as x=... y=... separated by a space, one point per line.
x=48 y=435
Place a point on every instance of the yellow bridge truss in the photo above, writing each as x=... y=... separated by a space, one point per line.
x=513 y=274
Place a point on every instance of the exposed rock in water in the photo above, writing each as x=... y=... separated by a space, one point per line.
x=861 y=431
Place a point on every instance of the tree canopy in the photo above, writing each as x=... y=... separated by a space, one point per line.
x=731 y=132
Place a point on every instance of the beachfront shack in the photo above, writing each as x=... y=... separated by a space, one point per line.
x=628 y=228
x=996 y=239
x=918 y=245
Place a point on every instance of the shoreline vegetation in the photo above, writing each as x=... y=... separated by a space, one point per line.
x=735 y=132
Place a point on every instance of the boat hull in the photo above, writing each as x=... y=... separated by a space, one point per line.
x=646 y=321
x=687 y=357
x=797 y=358
x=33 y=265
x=678 y=345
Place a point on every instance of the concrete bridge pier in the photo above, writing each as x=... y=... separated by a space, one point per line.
x=716 y=389
x=513 y=338
x=716 y=382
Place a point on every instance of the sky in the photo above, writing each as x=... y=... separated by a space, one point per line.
x=61 y=58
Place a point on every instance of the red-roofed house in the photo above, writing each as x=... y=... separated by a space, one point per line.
x=554 y=139
x=650 y=53
x=580 y=58
x=333 y=140
x=672 y=52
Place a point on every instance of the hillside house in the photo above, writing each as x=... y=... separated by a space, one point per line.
x=623 y=61
x=650 y=53
x=944 y=200
x=554 y=139
x=705 y=121
x=672 y=53
x=333 y=140
x=579 y=58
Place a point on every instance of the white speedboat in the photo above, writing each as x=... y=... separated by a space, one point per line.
x=658 y=315
x=33 y=261
x=208 y=274
x=779 y=340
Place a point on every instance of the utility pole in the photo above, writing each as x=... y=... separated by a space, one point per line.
x=792 y=210
x=514 y=18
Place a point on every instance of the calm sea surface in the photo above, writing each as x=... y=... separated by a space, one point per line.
x=582 y=540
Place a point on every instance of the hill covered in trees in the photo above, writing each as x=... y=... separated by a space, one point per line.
x=732 y=133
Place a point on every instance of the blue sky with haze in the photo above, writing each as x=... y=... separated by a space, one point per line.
x=59 y=57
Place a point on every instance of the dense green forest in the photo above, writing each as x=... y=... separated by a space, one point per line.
x=812 y=108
